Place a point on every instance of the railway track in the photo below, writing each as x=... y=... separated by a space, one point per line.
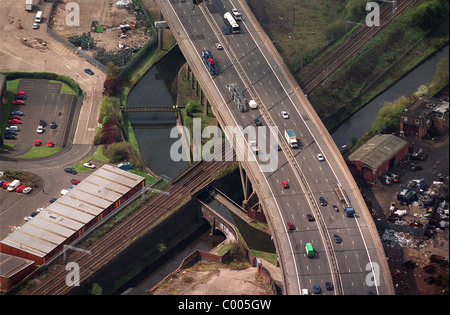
x=351 y=45
x=106 y=249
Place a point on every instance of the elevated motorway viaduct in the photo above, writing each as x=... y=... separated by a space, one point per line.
x=358 y=264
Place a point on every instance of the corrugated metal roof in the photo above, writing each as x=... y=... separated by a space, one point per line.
x=378 y=150
x=11 y=265
x=72 y=211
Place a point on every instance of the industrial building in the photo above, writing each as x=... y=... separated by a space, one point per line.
x=376 y=156
x=13 y=270
x=71 y=215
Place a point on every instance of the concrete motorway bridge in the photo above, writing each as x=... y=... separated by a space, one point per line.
x=358 y=264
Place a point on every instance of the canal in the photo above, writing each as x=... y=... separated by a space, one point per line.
x=158 y=87
x=360 y=122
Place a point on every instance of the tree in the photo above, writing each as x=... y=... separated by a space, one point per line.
x=428 y=15
x=389 y=115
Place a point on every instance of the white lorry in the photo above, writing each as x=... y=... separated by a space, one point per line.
x=29 y=5
x=254 y=147
x=291 y=138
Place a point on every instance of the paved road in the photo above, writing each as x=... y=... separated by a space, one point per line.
x=53 y=57
x=249 y=61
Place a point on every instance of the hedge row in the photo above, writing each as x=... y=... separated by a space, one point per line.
x=45 y=75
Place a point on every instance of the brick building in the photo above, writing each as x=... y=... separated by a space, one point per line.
x=376 y=156
x=424 y=116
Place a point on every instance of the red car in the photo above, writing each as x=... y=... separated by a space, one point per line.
x=14 y=121
x=290 y=226
x=5 y=184
x=18 y=102
x=19 y=93
x=37 y=142
x=49 y=143
x=284 y=184
x=75 y=181
x=20 y=188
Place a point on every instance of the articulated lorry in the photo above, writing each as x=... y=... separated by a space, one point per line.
x=209 y=62
x=291 y=138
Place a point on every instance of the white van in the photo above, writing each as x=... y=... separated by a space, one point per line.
x=252 y=104
x=38 y=18
x=14 y=184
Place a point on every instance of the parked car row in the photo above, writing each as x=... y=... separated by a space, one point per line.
x=15 y=186
x=16 y=117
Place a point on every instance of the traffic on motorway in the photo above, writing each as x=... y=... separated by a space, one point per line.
x=325 y=245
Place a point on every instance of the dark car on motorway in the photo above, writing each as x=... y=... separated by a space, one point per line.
x=337 y=238
x=310 y=217
x=329 y=286
x=323 y=202
x=70 y=170
x=317 y=289
x=89 y=71
x=258 y=122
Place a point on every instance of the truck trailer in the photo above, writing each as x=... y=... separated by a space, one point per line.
x=291 y=138
x=29 y=5
x=209 y=62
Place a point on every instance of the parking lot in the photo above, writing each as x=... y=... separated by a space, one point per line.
x=16 y=206
x=43 y=102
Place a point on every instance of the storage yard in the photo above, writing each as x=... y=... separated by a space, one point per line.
x=113 y=27
x=412 y=213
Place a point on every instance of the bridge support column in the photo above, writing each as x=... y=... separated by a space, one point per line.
x=160 y=33
x=246 y=186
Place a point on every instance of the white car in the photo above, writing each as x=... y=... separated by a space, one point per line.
x=284 y=114
x=40 y=129
x=35 y=26
x=90 y=165
x=219 y=46
x=320 y=157
x=27 y=190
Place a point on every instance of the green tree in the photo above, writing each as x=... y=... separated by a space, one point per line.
x=389 y=115
x=428 y=15
x=96 y=289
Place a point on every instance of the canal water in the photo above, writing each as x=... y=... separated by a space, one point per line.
x=158 y=87
x=360 y=122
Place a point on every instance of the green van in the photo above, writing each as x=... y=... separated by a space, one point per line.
x=309 y=250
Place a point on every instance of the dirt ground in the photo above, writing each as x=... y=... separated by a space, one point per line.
x=108 y=16
x=408 y=255
x=210 y=278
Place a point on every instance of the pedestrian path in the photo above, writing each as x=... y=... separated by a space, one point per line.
x=60 y=48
